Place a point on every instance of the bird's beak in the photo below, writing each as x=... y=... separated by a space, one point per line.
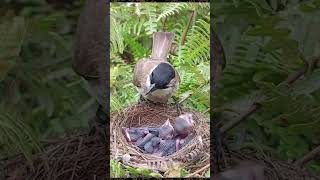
x=151 y=89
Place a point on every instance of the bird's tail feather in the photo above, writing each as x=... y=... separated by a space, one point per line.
x=161 y=45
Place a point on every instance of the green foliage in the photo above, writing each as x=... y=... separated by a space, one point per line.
x=264 y=44
x=134 y=25
x=118 y=171
x=40 y=92
x=15 y=134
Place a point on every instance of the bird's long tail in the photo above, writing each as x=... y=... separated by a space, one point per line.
x=161 y=45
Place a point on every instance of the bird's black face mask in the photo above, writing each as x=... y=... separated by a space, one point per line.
x=161 y=77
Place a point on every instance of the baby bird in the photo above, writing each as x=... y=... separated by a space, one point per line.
x=166 y=148
x=133 y=134
x=166 y=131
x=155 y=141
x=142 y=141
x=150 y=146
x=185 y=141
x=184 y=124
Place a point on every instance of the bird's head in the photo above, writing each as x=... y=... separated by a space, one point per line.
x=166 y=131
x=184 y=124
x=161 y=77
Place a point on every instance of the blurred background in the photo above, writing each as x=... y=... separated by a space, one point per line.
x=265 y=41
x=41 y=96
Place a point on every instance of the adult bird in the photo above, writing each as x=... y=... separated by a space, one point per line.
x=155 y=77
x=90 y=56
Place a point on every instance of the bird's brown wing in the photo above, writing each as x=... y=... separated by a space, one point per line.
x=138 y=72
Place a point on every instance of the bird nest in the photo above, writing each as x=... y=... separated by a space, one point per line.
x=151 y=115
x=274 y=169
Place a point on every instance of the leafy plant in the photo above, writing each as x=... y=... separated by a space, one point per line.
x=265 y=42
x=136 y=22
x=40 y=92
x=117 y=171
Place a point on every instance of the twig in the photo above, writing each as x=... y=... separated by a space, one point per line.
x=75 y=163
x=309 y=156
x=184 y=34
x=164 y=24
x=234 y=123
x=289 y=81
x=185 y=98
x=190 y=94
x=198 y=171
x=207 y=110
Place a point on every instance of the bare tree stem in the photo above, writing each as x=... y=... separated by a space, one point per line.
x=289 y=81
x=185 y=32
x=309 y=156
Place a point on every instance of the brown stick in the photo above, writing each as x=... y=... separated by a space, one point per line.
x=198 y=171
x=234 y=123
x=309 y=156
x=290 y=80
x=190 y=94
x=164 y=24
x=184 y=34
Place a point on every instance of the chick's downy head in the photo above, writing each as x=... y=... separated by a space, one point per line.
x=166 y=131
x=184 y=124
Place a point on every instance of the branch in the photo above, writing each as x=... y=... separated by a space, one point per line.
x=198 y=171
x=190 y=94
x=309 y=156
x=289 y=81
x=234 y=123
x=164 y=24
x=184 y=34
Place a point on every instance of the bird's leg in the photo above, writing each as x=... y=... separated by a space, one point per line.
x=141 y=99
x=178 y=105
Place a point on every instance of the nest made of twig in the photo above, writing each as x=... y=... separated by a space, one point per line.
x=77 y=156
x=273 y=169
x=152 y=115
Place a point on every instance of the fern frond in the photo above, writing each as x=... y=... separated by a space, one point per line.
x=197 y=47
x=12 y=35
x=151 y=24
x=116 y=36
x=171 y=9
x=16 y=134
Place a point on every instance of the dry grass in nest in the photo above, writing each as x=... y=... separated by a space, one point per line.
x=78 y=156
x=274 y=169
x=151 y=115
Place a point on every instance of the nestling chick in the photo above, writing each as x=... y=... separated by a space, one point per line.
x=185 y=141
x=142 y=141
x=148 y=147
x=166 y=131
x=184 y=124
x=133 y=134
x=155 y=141
x=166 y=148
